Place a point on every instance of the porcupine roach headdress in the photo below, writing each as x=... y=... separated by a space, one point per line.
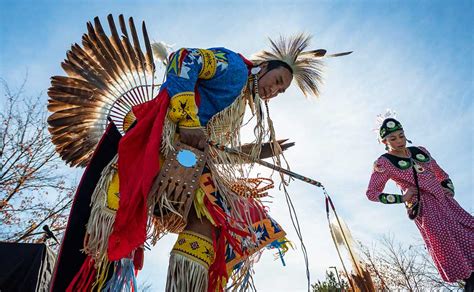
x=306 y=65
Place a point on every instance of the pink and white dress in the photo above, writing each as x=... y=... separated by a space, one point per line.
x=446 y=228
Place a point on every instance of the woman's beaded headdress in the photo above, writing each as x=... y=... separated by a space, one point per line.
x=386 y=124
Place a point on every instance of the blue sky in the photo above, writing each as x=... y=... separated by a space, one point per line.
x=415 y=57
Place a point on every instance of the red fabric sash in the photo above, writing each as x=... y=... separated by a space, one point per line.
x=84 y=278
x=247 y=62
x=138 y=164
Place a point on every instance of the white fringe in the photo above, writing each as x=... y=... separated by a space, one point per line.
x=169 y=219
x=161 y=51
x=226 y=168
x=101 y=219
x=186 y=275
x=167 y=136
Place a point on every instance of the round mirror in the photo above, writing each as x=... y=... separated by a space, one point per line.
x=186 y=158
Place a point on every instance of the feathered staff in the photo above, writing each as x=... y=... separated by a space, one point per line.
x=339 y=231
x=342 y=238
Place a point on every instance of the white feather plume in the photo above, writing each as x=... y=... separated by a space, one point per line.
x=389 y=113
x=343 y=237
x=161 y=51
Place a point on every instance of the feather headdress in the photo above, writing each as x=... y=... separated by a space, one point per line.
x=306 y=65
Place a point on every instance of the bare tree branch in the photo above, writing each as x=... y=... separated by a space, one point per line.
x=395 y=266
x=33 y=191
x=30 y=230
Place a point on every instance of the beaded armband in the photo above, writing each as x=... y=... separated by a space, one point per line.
x=209 y=64
x=448 y=184
x=196 y=247
x=390 y=198
x=183 y=110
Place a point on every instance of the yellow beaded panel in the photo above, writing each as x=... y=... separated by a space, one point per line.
x=113 y=195
x=195 y=247
x=183 y=110
x=209 y=64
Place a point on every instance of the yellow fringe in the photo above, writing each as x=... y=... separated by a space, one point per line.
x=286 y=244
x=237 y=277
x=200 y=207
x=276 y=149
x=102 y=274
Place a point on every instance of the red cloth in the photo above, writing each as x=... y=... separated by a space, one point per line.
x=138 y=164
x=83 y=279
x=247 y=62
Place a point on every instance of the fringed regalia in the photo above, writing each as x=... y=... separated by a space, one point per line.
x=112 y=116
x=114 y=212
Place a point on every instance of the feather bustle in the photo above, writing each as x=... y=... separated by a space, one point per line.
x=106 y=77
x=140 y=58
x=117 y=43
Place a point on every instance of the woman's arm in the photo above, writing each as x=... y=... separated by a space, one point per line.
x=377 y=183
x=440 y=174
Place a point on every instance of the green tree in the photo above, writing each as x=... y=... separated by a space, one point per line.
x=330 y=284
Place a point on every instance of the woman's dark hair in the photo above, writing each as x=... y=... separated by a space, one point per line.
x=274 y=64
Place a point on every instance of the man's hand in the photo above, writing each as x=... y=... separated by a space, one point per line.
x=408 y=196
x=267 y=148
x=194 y=137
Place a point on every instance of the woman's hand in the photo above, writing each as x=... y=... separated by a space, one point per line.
x=449 y=192
x=409 y=193
x=194 y=137
x=448 y=187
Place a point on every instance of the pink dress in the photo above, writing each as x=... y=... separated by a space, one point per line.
x=446 y=228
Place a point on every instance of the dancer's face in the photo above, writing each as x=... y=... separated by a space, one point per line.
x=273 y=82
x=396 y=140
